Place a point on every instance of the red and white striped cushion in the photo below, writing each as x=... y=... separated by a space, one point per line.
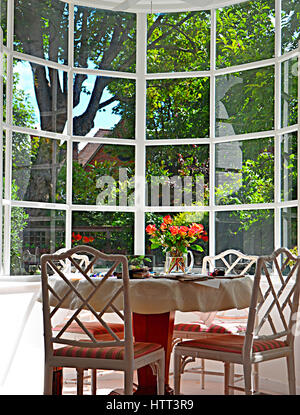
x=232 y=343
x=140 y=349
x=94 y=328
x=212 y=328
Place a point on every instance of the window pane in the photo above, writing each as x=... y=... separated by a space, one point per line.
x=177 y=175
x=179 y=219
x=290 y=24
x=178 y=108
x=245 y=172
x=38 y=169
x=40 y=97
x=41 y=29
x=104 y=39
x=250 y=231
x=289 y=92
x=103 y=174
x=33 y=233
x=289 y=227
x=103 y=107
x=245 y=102
x=110 y=232
x=178 y=42
x=3 y=19
x=245 y=33
x=289 y=157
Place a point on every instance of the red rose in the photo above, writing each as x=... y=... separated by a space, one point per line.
x=151 y=229
x=168 y=220
x=174 y=230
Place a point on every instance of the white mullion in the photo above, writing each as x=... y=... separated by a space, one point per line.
x=102 y=208
x=212 y=134
x=40 y=61
x=8 y=139
x=39 y=133
x=1 y=145
x=298 y=159
x=140 y=116
x=105 y=73
x=277 y=126
x=108 y=140
x=69 y=180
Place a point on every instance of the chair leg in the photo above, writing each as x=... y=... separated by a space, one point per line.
x=48 y=379
x=203 y=373
x=128 y=382
x=291 y=373
x=248 y=378
x=94 y=381
x=161 y=377
x=79 y=381
x=226 y=377
x=256 y=377
x=177 y=373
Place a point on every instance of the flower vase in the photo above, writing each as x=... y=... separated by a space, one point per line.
x=178 y=263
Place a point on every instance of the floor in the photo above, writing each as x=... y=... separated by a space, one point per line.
x=113 y=381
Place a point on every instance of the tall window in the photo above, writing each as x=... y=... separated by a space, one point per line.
x=111 y=120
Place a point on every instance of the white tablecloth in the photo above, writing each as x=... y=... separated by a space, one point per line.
x=154 y=296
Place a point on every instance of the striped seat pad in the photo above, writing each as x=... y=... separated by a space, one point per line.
x=93 y=327
x=140 y=349
x=212 y=328
x=232 y=344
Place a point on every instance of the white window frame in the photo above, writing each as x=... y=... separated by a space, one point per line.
x=141 y=143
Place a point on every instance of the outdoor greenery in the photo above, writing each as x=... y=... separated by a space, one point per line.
x=176 y=108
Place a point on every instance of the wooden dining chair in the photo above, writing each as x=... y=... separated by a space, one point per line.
x=221 y=323
x=114 y=352
x=270 y=330
x=94 y=327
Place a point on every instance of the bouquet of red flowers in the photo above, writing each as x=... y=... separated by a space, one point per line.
x=174 y=238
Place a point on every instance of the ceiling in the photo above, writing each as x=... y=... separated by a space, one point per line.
x=155 y=6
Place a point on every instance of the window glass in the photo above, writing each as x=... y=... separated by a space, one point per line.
x=178 y=42
x=245 y=33
x=110 y=232
x=3 y=19
x=249 y=231
x=289 y=160
x=177 y=175
x=38 y=169
x=177 y=108
x=34 y=232
x=290 y=25
x=104 y=39
x=103 y=174
x=289 y=228
x=178 y=219
x=103 y=107
x=41 y=29
x=40 y=97
x=289 y=92
x=245 y=102
x=244 y=172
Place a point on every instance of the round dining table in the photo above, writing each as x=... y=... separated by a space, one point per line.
x=154 y=301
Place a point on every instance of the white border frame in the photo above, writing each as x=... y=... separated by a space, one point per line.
x=140 y=143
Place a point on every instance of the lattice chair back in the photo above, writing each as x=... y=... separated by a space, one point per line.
x=234 y=262
x=66 y=265
x=275 y=299
x=55 y=299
